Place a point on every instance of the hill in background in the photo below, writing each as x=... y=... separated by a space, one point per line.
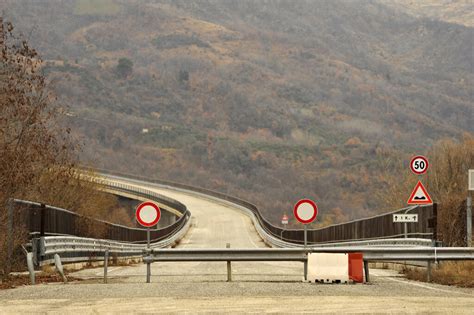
x=272 y=101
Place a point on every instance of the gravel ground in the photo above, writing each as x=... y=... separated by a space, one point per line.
x=249 y=293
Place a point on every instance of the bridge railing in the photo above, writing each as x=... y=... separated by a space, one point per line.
x=81 y=249
x=46 y=223
x=41 y=219
x=372 y=228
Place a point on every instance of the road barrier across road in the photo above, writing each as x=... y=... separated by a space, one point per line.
x=428 y=254
x=299 y=254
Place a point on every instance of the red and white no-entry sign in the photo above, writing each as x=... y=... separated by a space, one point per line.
x=305 y=211
x=148 y=214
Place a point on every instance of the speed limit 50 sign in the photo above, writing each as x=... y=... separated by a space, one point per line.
x=419 y=165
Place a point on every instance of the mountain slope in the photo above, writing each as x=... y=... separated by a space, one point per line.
x=270 y=100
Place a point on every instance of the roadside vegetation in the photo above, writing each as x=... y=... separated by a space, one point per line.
x=446 y=182
x=459 y=273
x=38 y=156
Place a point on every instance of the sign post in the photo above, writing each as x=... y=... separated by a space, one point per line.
x=148 y=214
x=284 y=222
x=469 y=209
x=305 y=212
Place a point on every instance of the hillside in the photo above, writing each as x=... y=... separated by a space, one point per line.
x=271 y=100
x=457 y=11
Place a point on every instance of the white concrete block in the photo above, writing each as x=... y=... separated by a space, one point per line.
x=328 y=268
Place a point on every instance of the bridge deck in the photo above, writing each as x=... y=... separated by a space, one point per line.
x=259 y=287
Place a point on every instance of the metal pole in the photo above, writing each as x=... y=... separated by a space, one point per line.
x=106 y=264
x=305 y=236
x=42 y=220
x=59 y=267
x=31 y=268
x=305 y=245
x=469 y=222
x=148 y=264
x=366 y=270
x=10 y=236
x=229 y=267
x=405 y=225
x=435 y=224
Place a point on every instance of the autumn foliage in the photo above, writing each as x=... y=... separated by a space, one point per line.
x=37 y=154
x=445 y=180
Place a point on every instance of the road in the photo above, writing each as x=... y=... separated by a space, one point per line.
x=195 y=287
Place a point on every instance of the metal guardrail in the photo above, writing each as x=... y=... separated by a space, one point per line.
x=79 y=249
x=301 y=255
x=276 y=240
x=376 y=227
x=169 y=203
x=55 y=226
x=45 y=220
x=296 y=254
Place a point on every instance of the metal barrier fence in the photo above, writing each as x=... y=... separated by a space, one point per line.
x=80 y=249
x=42 y=220
x=228 y=255
x=298 y=254
x=376 y=227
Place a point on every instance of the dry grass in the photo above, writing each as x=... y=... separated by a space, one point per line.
x=14 y=281
x=449 y=273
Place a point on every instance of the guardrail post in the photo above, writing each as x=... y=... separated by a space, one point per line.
x=31 y=268
x=366 y=271
x=59 y=267
x=106 y=263
x=229 y=267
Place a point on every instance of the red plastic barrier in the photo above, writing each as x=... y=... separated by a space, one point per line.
x=356 y=267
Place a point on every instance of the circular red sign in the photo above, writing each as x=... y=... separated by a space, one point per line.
x=305 y=211
x=419 y=165
x=148 y=214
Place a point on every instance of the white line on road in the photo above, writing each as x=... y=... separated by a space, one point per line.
x=420 y=285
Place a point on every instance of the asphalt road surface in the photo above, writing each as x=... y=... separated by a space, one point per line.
x=201 y=287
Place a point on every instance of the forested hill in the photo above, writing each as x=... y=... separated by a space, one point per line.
x=268 y=100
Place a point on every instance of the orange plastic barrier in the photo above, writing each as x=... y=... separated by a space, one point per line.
x=356 y=267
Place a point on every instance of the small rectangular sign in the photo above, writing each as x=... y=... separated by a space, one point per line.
x=471 y=180
x=400 y=217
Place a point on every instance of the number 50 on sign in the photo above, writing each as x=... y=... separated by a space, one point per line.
x=419 y=165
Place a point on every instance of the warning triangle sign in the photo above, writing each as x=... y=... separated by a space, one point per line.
x=419 y=196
